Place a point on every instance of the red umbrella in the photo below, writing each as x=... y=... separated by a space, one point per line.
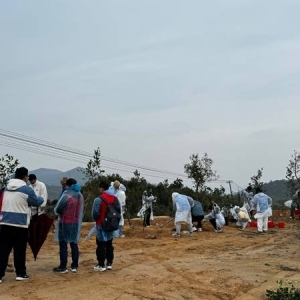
x=37 y=232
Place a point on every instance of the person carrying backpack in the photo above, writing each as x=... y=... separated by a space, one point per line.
x=106 y=213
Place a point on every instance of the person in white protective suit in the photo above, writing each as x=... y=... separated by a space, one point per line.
x=242 y=217
x=147 y=207
x=263 y=205
x=247 y=196
x=215 y=217
x=233 y=212
x=182 y=204
x=120 y=194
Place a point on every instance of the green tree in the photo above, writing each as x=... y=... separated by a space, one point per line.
x=200 y=170
x=94 y=175
x=8 y=165
x=177 y=184
x=293 y=172
x=256 y=179
x=93 y=169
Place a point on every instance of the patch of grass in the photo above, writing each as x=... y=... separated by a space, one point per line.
x=284 y=292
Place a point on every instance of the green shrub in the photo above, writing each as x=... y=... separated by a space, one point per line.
x=284 y=292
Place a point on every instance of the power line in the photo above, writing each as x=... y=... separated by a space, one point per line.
x=57 y=147
x=30 y=144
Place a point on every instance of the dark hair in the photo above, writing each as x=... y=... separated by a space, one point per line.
x=21 y=173
x=249 y=188
x=32 y=177
x=71 y=181
x=104 y=185
x=258 y=190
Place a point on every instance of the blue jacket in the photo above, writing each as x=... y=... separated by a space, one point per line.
x=197 y=209
x=262 y=202
x=16 y=204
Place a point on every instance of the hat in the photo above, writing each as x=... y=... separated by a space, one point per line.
x=174 y=195
x=116 y=184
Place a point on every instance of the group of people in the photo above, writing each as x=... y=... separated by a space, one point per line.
x=25 y=196
x=20 y=201
x=190 y=211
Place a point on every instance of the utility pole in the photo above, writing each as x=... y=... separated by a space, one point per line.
x=229 y=182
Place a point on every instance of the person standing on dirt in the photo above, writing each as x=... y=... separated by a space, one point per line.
x=147 y=200
x=197 y=214
x=263 y=204
x=119 y=189
x=40 y=190
x=182 y=204
x=104 y=239
x=69 y=208
x=14 y=221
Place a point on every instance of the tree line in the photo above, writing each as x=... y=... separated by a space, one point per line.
x=198 y=169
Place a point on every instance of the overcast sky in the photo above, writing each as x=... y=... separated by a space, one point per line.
x=152 y=82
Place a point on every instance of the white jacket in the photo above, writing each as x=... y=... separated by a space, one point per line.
x=41 y=191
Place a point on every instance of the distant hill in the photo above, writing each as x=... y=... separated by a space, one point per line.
x=277 y=190
x=53 y=177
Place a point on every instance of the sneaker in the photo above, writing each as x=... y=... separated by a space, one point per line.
x=109 y=267
x=194 y=229
x=121 y=236
x=199 y=229
x=176 y=235
x=0 y=280
x=259 y=232
x=218 y=230
x=99 y=268
x=22 y=277
x=60 y=270
x=73 y=270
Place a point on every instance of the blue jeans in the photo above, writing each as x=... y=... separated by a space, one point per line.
x=63 y=253
x=120 y=230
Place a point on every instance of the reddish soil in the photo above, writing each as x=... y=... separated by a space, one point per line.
x=150 y=264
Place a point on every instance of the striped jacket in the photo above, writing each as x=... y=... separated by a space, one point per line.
x=15 y=205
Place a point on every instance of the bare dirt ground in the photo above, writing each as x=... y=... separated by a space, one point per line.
x=151 y=264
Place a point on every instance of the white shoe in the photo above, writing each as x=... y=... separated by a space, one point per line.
x=121 y=236
x=199 y=229
x=99 y=268
x=194 y=229
x=176 y=235
x=73 y=270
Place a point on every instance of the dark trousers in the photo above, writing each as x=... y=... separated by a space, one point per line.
x=198 y=219
x=147 y=217
x=213 y=223
x=63 y=254
x=15 y=238
x=105 y=250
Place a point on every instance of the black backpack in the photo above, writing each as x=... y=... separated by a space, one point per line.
x=112 y=217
